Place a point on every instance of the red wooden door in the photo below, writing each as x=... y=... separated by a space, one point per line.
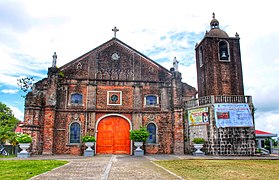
x=113 y=136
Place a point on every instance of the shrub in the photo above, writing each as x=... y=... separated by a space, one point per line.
x=88 y=138
x=140 y=135
x=258 y=150
x=198 y=141
x=23 y=138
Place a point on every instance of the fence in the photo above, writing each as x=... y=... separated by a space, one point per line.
x=12 y=150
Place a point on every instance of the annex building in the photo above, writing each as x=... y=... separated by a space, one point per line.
x=114 y=88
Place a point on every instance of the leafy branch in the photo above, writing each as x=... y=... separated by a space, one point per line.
x=25 y=83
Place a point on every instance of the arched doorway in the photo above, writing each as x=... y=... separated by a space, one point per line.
x=113 y=136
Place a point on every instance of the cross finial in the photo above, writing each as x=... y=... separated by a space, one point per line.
x=115 y=30
x=213 y=15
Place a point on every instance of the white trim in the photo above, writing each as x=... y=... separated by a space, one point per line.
x=120 y=98
x=108 y=115
x=153 y=104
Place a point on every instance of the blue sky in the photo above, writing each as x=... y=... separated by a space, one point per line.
x=32 y=30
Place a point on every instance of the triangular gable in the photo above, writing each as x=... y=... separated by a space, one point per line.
x=109 y=43
x=131 y=66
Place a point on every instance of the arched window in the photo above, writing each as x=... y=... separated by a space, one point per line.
x=151 y=128
x=223 y=50
x=75 y=133
x=151 y=100
x=76 y=98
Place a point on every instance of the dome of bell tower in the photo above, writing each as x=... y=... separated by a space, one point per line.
x=215 y=31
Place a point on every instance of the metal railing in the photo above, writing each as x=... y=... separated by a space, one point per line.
x=206 y=100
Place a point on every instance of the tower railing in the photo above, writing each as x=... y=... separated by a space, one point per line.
x=206 y=100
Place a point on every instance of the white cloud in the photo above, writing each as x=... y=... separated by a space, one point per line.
x=17 y=113
x=40 y=28
x=10 y=91
x=267 y=121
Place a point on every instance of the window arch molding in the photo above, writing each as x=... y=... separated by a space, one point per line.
x=224 y=50
x=74 y=132
x=152 y=128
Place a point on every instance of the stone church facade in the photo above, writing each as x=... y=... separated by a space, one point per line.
x=113 y=89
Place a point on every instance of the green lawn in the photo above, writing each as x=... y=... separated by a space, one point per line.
x=10 y=156
x=25 y=169
x=223 y=169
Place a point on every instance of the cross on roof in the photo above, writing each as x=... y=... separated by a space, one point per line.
x=115 y=30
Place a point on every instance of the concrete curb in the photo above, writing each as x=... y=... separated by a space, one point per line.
x=179 y=177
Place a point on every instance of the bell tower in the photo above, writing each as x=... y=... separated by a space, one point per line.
x=218 y=61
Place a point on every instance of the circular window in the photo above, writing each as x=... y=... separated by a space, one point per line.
x=114 y=98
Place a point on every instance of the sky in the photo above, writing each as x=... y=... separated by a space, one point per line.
x=32 y=30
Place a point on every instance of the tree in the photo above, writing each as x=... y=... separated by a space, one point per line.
x=3 y=135
x=8 y=121
x=25 y=83
x=6 y=135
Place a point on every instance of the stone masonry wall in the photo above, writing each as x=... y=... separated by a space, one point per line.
x=229 y=141
x=164 y=142
x=218 y=77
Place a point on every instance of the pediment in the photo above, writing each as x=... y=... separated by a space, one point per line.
x=115 y=60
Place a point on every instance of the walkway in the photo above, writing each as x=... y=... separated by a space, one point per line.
x=103 y=167
x=122 y=167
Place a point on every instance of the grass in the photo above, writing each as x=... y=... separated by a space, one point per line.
x=10 y=156
x=25 y=169
x=223 y=169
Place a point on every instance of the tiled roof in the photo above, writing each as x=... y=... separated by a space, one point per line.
x=264 y=134
x=261 y=132
x=18 y=128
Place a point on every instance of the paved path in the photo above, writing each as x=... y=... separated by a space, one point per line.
x=111 y=167
x=122 y=167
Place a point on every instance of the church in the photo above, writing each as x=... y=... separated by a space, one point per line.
x=114 y=89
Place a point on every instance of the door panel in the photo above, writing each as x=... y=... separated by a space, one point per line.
x=113 y=136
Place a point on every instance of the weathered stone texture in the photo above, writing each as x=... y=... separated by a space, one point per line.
x=164 y=124
x=220 y=75
x=49 y=111
x=217 y=77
